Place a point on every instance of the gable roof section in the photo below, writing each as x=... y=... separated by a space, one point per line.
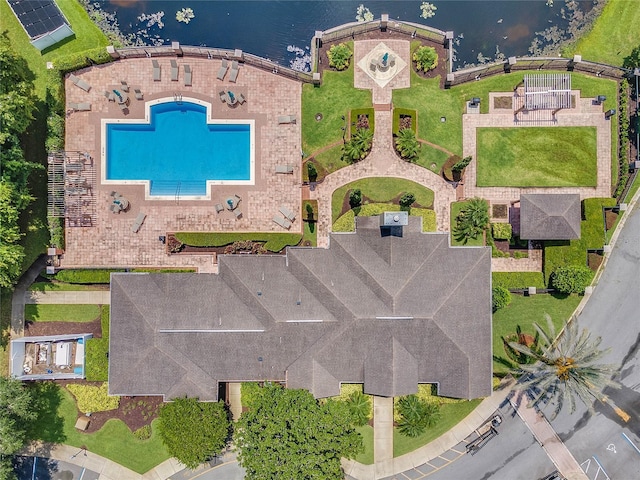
x=386 y=311
x=550 y=216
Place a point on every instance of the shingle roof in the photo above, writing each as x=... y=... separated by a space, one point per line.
x=386 y=311
x=550 y=216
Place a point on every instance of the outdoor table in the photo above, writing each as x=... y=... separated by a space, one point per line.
x=231 y=203
x=122 y=98
x=231 y=98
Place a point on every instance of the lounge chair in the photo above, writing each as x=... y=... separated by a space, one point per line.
x=223 y=96
x=73 y=167
x=77 y=191
x=114 y=208
x=219 y=208
x=283 y=119
x=138 y=222
x=284 y=168
x=125 y=86
x=156 y=70
x=110 y=96
x=238 y=213
x=138 y=94
x=233 y=76
x=223 y=69
x=187 y=76
x=73 y=180
x=283 y=222
x=287 y=213
x=174 y=71
x=78 y=82
x=80 y=107
x=240 y=98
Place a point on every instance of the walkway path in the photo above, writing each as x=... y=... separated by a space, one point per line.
x=97 y=297
x=548 y=439
x=18 y=298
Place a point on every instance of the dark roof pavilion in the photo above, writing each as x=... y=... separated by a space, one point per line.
x=550 y=216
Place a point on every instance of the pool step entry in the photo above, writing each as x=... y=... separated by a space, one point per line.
x=177 y=97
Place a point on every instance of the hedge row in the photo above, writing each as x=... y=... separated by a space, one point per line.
x=274 y=242
x=518 y=280
x=623 y=130
x=347 y=222
x=78 y=60
x=84 y=276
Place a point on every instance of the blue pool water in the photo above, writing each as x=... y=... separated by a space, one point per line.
x=178 y=151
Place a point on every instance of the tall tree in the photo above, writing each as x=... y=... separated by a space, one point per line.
x=16 y=412
x=565 y=367
x=193 y=431
x=289 y=434
x=472 y=219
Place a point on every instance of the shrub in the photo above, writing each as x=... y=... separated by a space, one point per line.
x=514 y=280
x=339 y=56
x=462 y=164
x=55 y=133
x=472 y=219
x=404 y=112
x=312 y=172
x=359 y=146
x=407 y=200
x=501 y=297
x=426 y=58
x=56 y=231
x=359 y=406
x=93 y=399
x=501 y=231
x=76 y=61
x=273 y=242
x=571 y=279
x=355 y=198
x=416 y=415
x=143 y=433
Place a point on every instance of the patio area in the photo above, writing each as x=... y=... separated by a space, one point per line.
x=110 y=240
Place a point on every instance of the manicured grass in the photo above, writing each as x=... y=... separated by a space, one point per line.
x=381 y=190
x=452 y=414
x=62 y=287
x=310 y=231
x=44 y=312
x=366 y=457
x=614 y=34
x=513 y=280
x=592 y=237
x=57 y=414
x=334 y=98
x=525 y=311
x=456 y=208
x=96 y=359
x=431 y=158
x=326 y=162
x=347 y=222
x=274 y=241
x=536 y=157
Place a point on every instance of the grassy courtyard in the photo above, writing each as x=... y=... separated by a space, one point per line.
x=536 y=157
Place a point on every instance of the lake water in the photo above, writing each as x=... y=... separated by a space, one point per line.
x=273 y=28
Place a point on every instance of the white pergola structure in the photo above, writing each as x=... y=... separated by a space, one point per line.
x=548 y=91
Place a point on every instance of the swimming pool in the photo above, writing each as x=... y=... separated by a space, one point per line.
x=178 y=150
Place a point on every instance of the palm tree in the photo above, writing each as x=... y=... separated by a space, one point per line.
x=565 y=367
x=407 y=144
x=416 y=415
x=360 y=408
x=472 y=219
x=359 y=145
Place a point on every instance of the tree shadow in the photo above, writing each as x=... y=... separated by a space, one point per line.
x=48 y=425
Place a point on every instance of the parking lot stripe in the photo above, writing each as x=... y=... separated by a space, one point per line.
x=632 y=444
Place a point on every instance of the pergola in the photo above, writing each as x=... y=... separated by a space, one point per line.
x=548 y=91
x=71 y=179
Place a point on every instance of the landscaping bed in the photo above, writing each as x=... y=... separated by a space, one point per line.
x=33 y=329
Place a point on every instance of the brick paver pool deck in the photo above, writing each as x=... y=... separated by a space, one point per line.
x=110 y=242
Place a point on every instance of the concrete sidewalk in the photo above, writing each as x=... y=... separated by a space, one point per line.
x=548 y=439
x=98 y=297
x=448 y=440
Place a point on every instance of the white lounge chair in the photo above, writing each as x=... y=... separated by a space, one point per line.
x=110 y=96
x=156 y=70
x=284 y=168
x=124 y=86
x=287 y=213
x=283 y=119
x=283 y=222
x=233 y=76
x=240 y=98
x=138 y=94
x=80 y=107
x=138 y=222
x=78 y=82
x=174 y=71
x=187 y=76
x=219 y=208
x=238 y=213
x=223 y=69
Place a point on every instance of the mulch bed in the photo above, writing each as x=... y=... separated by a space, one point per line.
x=135 y=412
x=33 y=329
x=503 y=102
x=499 y=210
x=502 y=245
x=440 y=70
x=610 y=218
x=594 y=260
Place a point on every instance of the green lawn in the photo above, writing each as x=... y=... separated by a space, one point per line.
x=536 y=157
x=525 y=311
x=456 y=207
x=452 y=414
x=61 y=313
x=347 y=222
x=431 y=158
x=57 y=415
x=334 y=98
x=327 y=162
x=614 y=34
x=366 y=457
x=381 y=190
